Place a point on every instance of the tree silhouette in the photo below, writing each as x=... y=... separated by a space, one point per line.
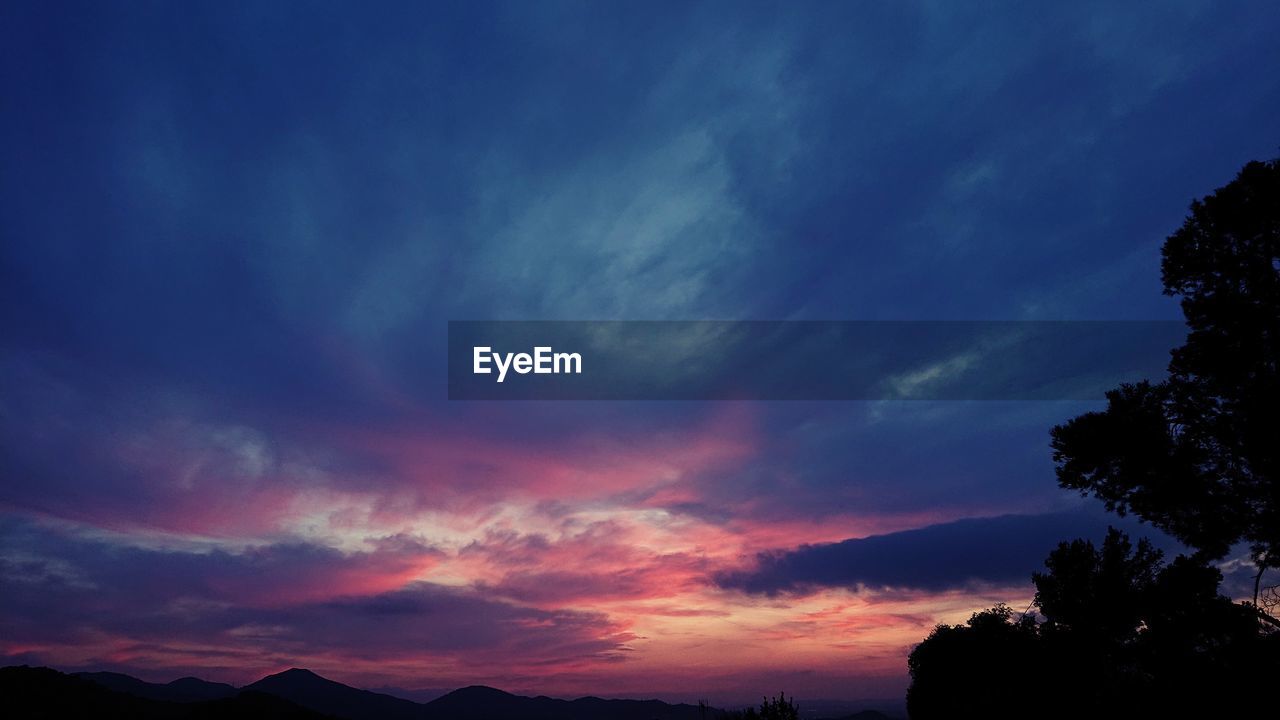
x=777 y=708
x=1096 y=595
x=957 y=670
x=1196 y=455
x=1119 y=634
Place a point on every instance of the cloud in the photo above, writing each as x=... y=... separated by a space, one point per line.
x=71 y=594
x=995 y=550
x=121 y=570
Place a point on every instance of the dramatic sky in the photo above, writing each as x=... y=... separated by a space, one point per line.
x=233 y=235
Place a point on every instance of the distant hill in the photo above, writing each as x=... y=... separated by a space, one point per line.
x=418 y=695
x=477 y=702
x=41 y=693
x=863 y=709
x=184 y=690
x=323 y=695
x=485 y=703
x=304 y=695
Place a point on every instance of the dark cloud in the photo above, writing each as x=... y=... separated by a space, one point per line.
x=995 y=550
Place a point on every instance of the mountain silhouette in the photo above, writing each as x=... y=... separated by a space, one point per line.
x=309 y=690
x=183 y=690
x=302 y=695
x=476 y=702
x=485 y=703
x=40 y=693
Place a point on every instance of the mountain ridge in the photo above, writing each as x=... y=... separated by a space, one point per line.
x=38 y=693
x=302 y=693
x=315 y=692
x=183 y=690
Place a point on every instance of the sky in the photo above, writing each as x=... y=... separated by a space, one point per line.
x=233 y=234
